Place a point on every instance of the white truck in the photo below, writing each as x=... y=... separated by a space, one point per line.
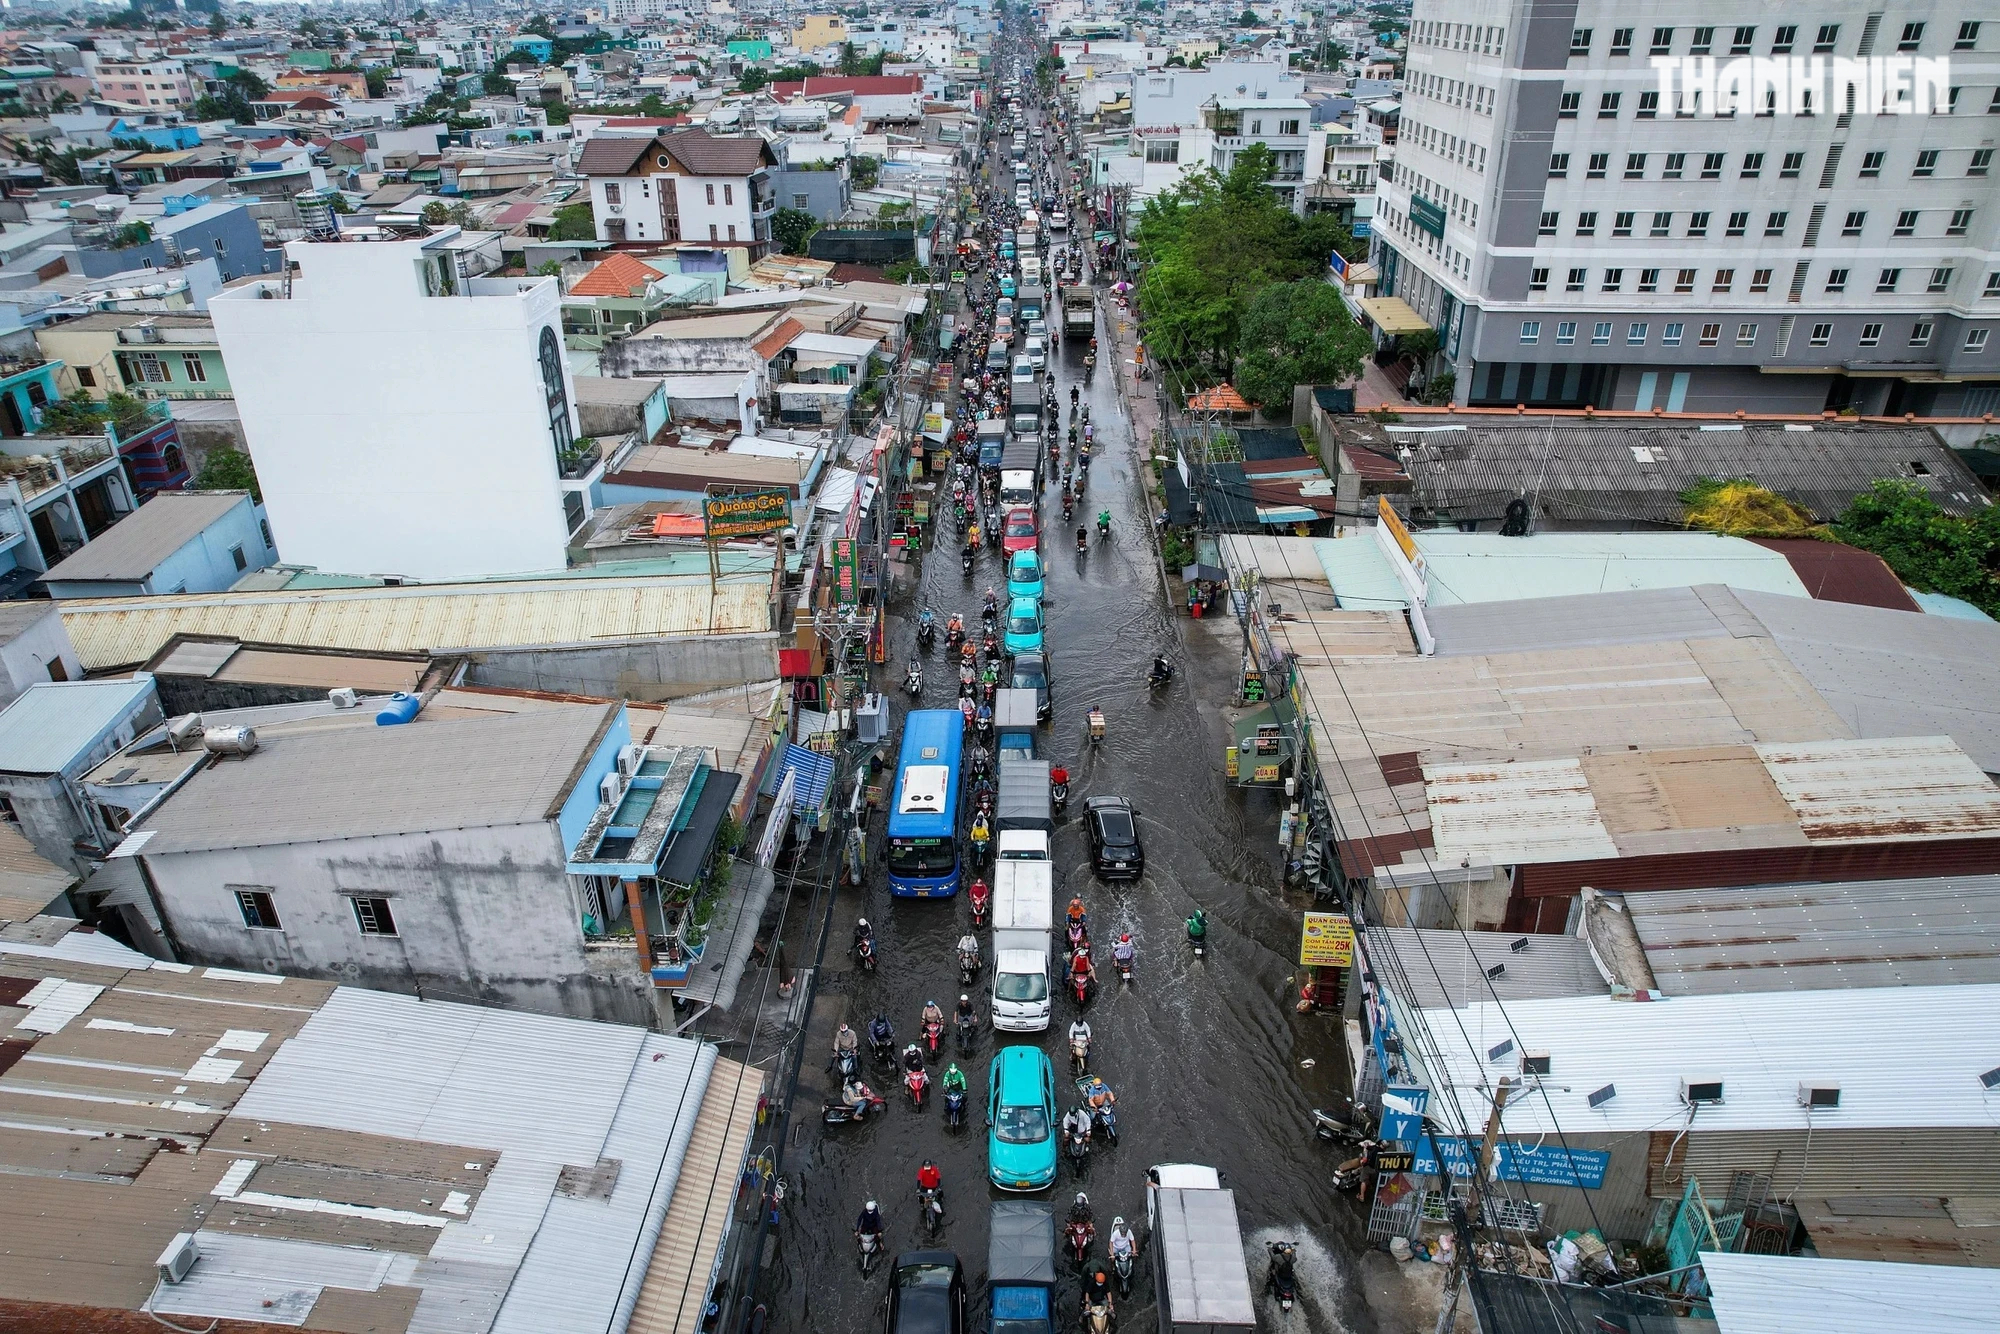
x=1199 y=1275
x=1024 y=903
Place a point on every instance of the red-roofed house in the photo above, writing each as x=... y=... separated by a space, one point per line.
x=687 y=185
x=620 y=275
x=896 y=97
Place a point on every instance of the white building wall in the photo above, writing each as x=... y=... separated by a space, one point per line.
x=25 y=659
x=399 y=433
x=635 y=200
x=712 y=205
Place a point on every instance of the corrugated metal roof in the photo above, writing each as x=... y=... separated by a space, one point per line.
x=1912 y=1059
x=1446 y=969
x=1774 y=1294
x=1867 y=933
x=1901 y=788
x=1530 y=811
x=670 y=1301
x=114 y=632
x=1650 y=616
x=54 y=722
x=359 y=782
x=132 y=548
x=26 y=875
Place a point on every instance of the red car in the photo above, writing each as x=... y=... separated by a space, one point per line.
x=1020 y=531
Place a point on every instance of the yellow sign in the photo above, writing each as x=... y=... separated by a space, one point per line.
x=1230 y=765
x=1393 y=521
x=1328 y=941
x=1265 y=773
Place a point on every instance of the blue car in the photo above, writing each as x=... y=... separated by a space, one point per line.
x=1021 y=1116
x=1024 y=575
x=1007 y=286
x=1024 y=626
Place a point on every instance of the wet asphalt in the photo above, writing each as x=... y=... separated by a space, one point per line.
x=1209 y=1058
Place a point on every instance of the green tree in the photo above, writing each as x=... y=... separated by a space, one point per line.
x=247 y=83
x=549 y=268
x=866 y=171
x=792 y=229
x=540 y=26
x=1247 y=19
x=227 y=469
x=421 y=16
x=752 y=80
x=1297 y=333
x=338 y=202
x=496 y=84
x=79 y=414
x=574 y=222
x=378 y=81
x=557 y=110
x=435 y=214
x=1930 y=550
x=217 y=25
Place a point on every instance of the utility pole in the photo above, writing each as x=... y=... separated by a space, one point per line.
x=1461 y=1260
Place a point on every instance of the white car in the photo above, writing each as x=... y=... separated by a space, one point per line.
x=1021 y=197
x=1038 y=351
x=1024 y=369
x=1038 y=329
x=1058 y=221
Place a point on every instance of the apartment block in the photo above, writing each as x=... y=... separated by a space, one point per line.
x=1800 y=215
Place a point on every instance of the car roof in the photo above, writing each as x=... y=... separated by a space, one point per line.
x=1107 y=804
x=1024 y=601
x=1021 y=1063
x=927 y=1258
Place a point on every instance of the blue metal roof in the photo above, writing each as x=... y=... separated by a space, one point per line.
x=56 y=723
x=815 y=772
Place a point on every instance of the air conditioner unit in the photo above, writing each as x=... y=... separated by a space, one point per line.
x=1534 y=1062
x=629 y=758
x=178 y=1258
x=1705 y=1088
x=344 y=697
x=1820 y=1095
x=612 y=788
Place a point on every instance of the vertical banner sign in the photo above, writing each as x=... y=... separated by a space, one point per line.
x=1327 y=941
x=846 y=574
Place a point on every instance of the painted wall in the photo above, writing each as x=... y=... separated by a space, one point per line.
x=714 y=208
x=446 y=444
x=207 y=564
x=25 y=659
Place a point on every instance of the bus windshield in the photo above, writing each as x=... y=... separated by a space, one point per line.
x=922 y=858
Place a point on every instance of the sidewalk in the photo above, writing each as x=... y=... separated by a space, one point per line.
x=1375 y=389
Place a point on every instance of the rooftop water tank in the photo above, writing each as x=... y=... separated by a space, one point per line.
x=229 y=740
x=398 y=708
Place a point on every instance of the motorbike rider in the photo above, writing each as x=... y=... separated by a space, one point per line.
x=1162 y=669
x=1097 y=1288
x=1076 y=911
x=913 y=1058
x=869 y=1224
x=1197 y=925
x=968 y=948
x=880 y=1032
x=846 y=1042
x=1080 y=966
x=981 y=833
x=1099 y=1095
x=1079 y=1031
x=1082 y=538
x=932 y=1013
x=1079 y=1123
x=929 y=1178
x=979 y=890
x=1079 y=1210
x=855 y=1094
x=1121 y=1241
x=863 y=933
x=953 y=1079
x=1104 y=521
x=1123 y=951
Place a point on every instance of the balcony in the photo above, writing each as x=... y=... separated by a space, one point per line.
x=71 y=464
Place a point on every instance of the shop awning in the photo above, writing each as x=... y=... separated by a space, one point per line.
x=1392 y=315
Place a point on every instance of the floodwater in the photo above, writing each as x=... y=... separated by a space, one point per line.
x=1210 y=1061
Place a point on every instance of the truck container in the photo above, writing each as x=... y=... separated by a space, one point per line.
x=1200 y=1280
x=1033 y=299
x=991 y=433
x=1021 y=1267
x=1021 y=472
x=1023 y=800
x=1079 y=312
x=1014 y=722
x=1023 y=932
x=1026 y=397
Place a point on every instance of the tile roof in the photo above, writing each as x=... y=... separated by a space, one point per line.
x=1840 y=573
x=612 y=155
x=707 y=154
x=365 y=782
x=620 y=275
x=131 y=549
x=780 y=338
x=881 y=85
x=1222 y=398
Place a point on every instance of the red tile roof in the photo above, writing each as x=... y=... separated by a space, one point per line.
x=780 y=338
x=785 y=92
x=1222 y=398
x=880 y=85
x=644 y=122
x=612 y=155
x=620 y=275
x=1834 y=572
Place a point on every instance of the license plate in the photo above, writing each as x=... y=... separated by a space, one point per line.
x=1118 y=866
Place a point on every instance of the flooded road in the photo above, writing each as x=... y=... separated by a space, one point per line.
x=1209 y=1059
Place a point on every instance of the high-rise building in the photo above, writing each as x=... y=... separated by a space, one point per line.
x=1779 y=221
x=408 y=418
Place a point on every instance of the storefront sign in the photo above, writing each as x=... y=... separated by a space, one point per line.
x=1270 y=773
x=1328 y=938
x=1543 y=1164
x=1427 y=216
x=1339 y=265
x=846 y=575
x=1403 y=1112
x=1395 y=1162
x=746 y=513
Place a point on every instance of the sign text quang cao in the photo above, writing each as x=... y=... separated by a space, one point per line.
x=746 y=513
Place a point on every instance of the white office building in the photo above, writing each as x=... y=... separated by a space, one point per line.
x=408 y=419
x=1759 y=240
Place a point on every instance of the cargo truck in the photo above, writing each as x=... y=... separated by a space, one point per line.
x=1021 y=472
x=1023 y=931
x=1023 y=800
x=1014 y=720
x=1021 y=1267
x=1079 y=312
x=1199 y=1276
x=991 y=434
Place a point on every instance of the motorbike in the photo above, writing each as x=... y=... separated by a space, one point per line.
x=1281 y=1282
x=1350 y=1174
x=1079 y=985
x=1077 y=1236
x=1097 y=1318
x=991 y=644
x=848 y=1063
x=926 y=631
x=1077 y=936
x=1197 y=934
x=980 y=896
x=871 y=1251
x=836 y=1113
x=1069 y=505
x=864 y=955
x=933 y=1207
x=1105 y=1121
x=1059 y=793
x=918 y=1084
x=1348 y=1130
x=983 y=720
x=933 y=1037
x=883 y=1048
x=968 y=1034
x=967 y=673
x=1094 y=720
x=968 y=967
x=1121 y=1267
x=954 y=635
x=1089 y=365
x=1079 y=1057
x=989 y=613
x=1157 y=678
x=966 y=690
x=1076 y=1146
x=954 y=1109
x=1103 y=521
x=914 y=681
x=1082 y=542
x=965 y=561
x=1124 y=967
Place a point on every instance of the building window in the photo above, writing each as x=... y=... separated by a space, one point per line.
x=1794 y=164
x=1913 y=34
x=613 y=195
x=1774 y=223
x=1760 y=280
x=1635 y=335
x=1538 y=280
x=7 y=803
x=556 y=394
x=1753 y=164
x=1649 y=280
x=1566 y=332
x=1684 y=281
x=1961 y=219
x=1906 y=223
x=1621 y=41
x=1586 y=223
x=259 y=912
x=1704 y=42
x=1740 y=43
x=1711 y=334
x=713 y=233
x=800 y=202
x=86 y=377
x=1549 y=223
x=1822 y=334
x=191 y=365
x=1579 y=41
x=1600 y=333
x=1607 y=105
x=1649 y=106
x=150 y=369
x=710 y=187
x=1724 y=280
x=1836 y=280
x=1940 y=280
x=1663 y=42
x=1783 y=38
x=1920 y=334
x=1926 y=163
x=373 y=917
x=1676 y=164
x=728 y=193
x=1871 y=163
x=1614 y=279
x=1829 y=33
x=1698 y=223
x=732 y=231
x=1711 y=166
x=1635 y=167
x=1975 y=341
x=1531 y=331
x=1968 y=37
x=1856 y=220
x=236 y=556
x=1599 y=164
x=264 y=530
x=1621 y=224
x=1661 y=223
x=1670 y=336
x=1982 y=162
x=1992 y=285
x=1577 y=278
x=1559 y=165
x=1746 y=335
x=1886 y=281
x=1567 y=109
x=1871 y=334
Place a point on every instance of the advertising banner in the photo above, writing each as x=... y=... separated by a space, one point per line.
x=1328 y=938
x=746 y=513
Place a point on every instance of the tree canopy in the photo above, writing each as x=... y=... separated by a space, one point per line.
x=227 y=469
x=574 y=222
x=1930 y=550
x=792 y=228
x=1297 y=333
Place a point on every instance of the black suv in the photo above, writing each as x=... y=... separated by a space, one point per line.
x=926 y=1294
x=1115 y=853
x=1031 y=672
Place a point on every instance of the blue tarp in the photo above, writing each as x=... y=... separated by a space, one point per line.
x=815 y=772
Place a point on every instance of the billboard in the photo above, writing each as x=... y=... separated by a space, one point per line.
x=746 y=513
x=1327 y=941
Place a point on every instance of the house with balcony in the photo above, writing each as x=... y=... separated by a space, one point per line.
x=27 y=385
x=178 y=542
x=684 y=185
x=1281 y=124
x=147 y=355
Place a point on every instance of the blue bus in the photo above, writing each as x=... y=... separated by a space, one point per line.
x=923 y=812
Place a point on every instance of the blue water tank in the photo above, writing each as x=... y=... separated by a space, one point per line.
x=399 y=708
